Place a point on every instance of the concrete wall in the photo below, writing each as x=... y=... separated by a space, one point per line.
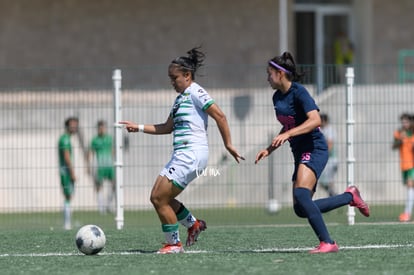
x=132 y=33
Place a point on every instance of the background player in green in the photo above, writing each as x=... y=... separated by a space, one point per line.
x=101 y=147
x=66 y=168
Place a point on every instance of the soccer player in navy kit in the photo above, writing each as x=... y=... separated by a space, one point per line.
x=187 y=121
x=299 y=115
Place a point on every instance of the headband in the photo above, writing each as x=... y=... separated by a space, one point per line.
x=279 y=67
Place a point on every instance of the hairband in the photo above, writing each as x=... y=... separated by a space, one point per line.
x=279 y=67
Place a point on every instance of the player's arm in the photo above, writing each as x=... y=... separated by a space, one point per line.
x=89 y=160
x=397 y=140
x=313 y=121
x=266 y=152
x=154 y=129
x=217 y=114
x=68 y=162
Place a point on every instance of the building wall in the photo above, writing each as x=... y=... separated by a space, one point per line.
x=70 y=34
x=392 y=28
x=79 y=33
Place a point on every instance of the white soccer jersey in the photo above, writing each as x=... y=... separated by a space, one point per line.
x=190 y=118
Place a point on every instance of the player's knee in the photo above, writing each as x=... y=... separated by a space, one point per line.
x=158 y=200
x=299 y=211
x=300 y=196
x=155 y=200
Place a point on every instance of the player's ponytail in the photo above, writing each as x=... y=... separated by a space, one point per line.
x=190 y=63
x=286 y=63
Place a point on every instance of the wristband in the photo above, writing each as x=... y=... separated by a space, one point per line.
x=141 y=128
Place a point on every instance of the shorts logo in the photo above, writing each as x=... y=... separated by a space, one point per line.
x=306 y=157
x=171 y=170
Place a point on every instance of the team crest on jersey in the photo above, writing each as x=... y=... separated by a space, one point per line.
x=203 y=96
x=175 y=108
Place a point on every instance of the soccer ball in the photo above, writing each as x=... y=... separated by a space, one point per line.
x=90 y=239
x=273 y=206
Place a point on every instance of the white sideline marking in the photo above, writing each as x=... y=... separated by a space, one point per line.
x=265 y=250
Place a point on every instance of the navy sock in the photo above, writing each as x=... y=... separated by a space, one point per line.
x=330 y=203
x=303 y=198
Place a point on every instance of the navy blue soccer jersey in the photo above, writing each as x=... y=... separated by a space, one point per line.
x=291 y=109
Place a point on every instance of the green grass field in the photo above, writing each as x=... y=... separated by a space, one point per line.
x=237 y=241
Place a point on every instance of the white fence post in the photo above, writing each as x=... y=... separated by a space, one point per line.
x=117 y=80
x=350 y=159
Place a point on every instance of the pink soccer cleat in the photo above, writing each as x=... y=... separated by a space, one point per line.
x=171 y=249
x=325 y=248
x=194 y=231
x=357 y=201
x=404 y=217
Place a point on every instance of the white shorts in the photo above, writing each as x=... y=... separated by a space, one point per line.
x=184 y=166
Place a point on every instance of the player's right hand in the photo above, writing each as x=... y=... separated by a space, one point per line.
x=129 y=125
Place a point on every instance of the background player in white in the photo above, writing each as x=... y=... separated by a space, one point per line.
x=328 y=174
x=188 y=123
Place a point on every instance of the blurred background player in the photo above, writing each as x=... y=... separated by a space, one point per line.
x=66 y=167
x=404 y=141
x=188 y=122
x=102 y=166
x=327 y=177
x=344 y=55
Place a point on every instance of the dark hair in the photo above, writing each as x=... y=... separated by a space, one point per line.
x=324 y=117
x=286 y=63
x=406 y=116
x=190 y=63
x=69 y=119
x=101 y=123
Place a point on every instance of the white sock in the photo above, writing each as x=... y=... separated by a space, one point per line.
x=410 y=200
x=110 y=205
x=100 y=201
x=188 y=221
x=67 y=214
x=172 y=235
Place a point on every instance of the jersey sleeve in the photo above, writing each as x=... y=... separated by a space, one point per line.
x=306 y=100
x=202 y=99
x=64 y=143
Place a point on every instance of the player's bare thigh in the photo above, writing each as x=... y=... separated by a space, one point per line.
x=164 y=191
x=305 y=178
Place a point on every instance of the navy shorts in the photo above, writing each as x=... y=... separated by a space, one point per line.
x=314 y=158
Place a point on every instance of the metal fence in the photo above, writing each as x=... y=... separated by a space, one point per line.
x=35 y=104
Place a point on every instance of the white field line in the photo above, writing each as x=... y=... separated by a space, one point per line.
x=265 y=250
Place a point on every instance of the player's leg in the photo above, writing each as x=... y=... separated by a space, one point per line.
x=304 y=206
x=67 y=188
x=111 y=194
x=185 y=217
x=409 y=182
x=179 y=172
x=98 y=180
x=162 y=193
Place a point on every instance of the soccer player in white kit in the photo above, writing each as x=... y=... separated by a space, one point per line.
x=188 y=123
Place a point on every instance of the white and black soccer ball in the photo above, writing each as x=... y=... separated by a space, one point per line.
x=90 y=239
